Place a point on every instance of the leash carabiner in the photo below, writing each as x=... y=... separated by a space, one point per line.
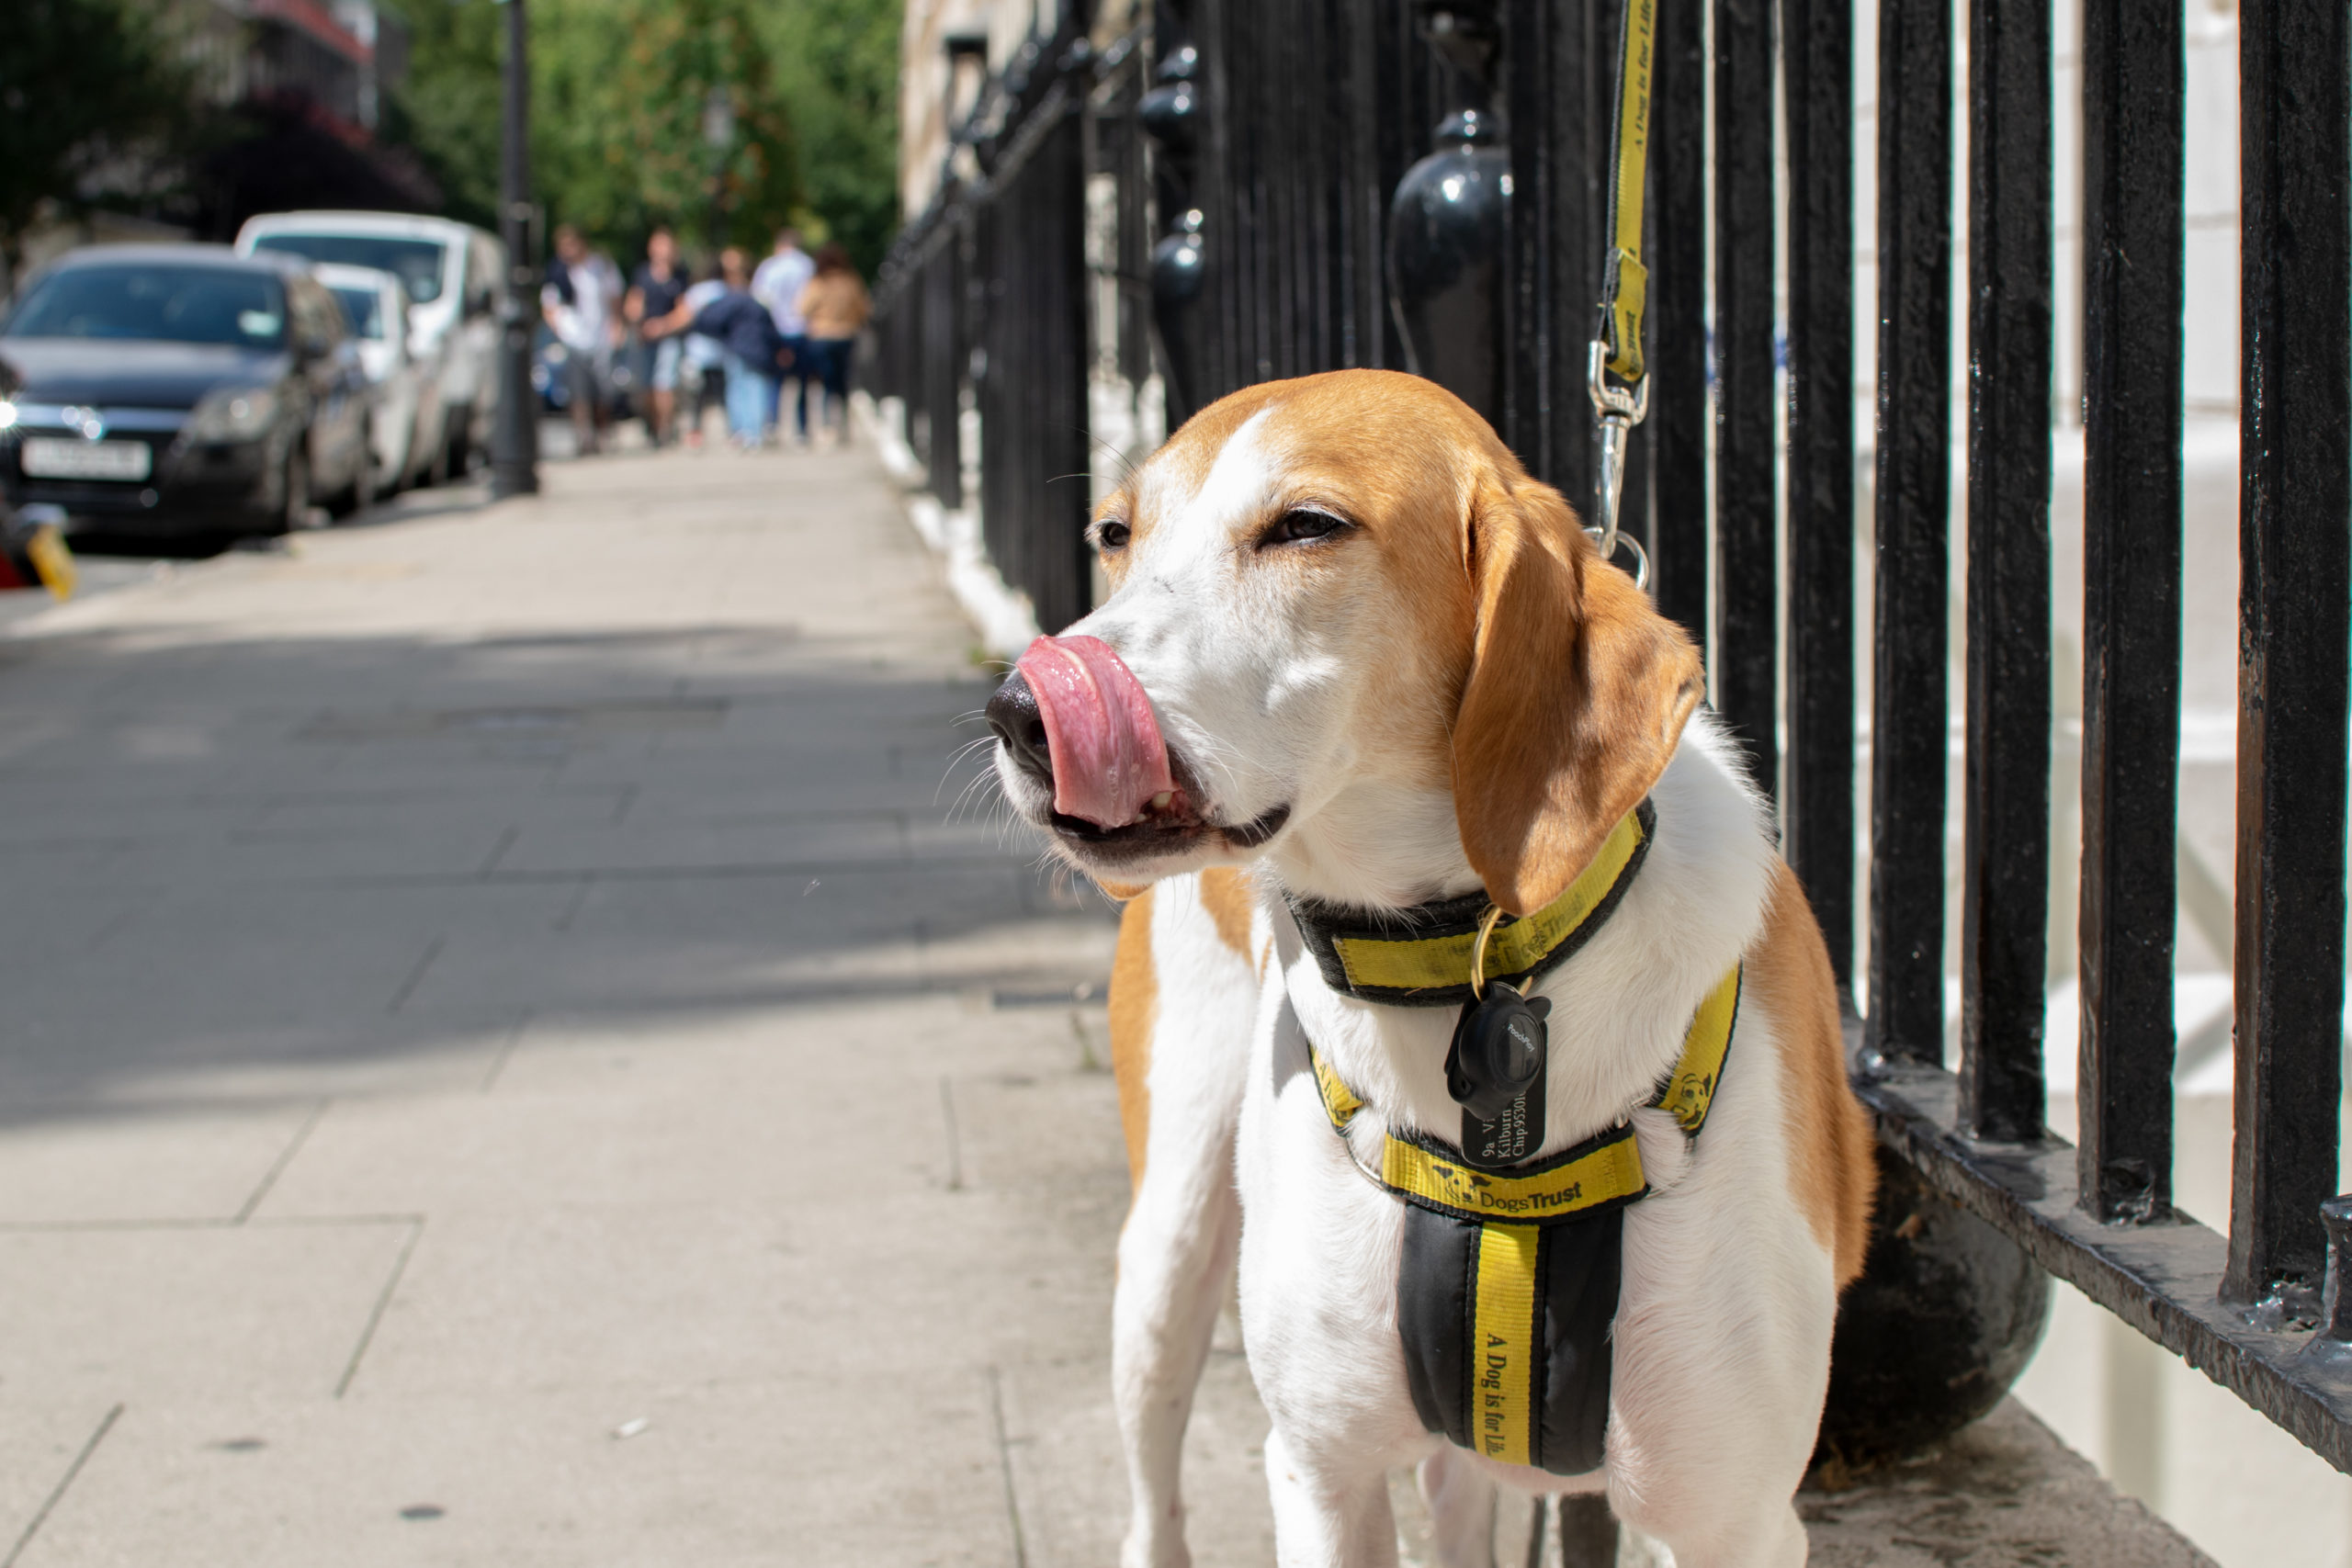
x=1619 y=408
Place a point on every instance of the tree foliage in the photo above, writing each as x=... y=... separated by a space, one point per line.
x=620 y=89
x=86 y=87
x=837 y=65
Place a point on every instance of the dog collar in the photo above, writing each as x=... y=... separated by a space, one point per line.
x=1421 y=956
x=1507 y=1281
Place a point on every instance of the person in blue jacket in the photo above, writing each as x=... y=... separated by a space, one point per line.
x=752 y=351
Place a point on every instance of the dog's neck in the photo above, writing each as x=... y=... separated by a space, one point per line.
x=1620 y=1006
x=1377 y=845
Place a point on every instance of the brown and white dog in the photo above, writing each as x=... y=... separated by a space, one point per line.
x=1354 y=654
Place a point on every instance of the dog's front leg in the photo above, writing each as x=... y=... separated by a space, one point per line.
x=1175 y=1259
x=1325 y=1516
x=1181 y=1058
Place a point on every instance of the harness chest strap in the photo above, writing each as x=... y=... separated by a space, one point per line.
x=1509 y=1281
x=1604 y=1168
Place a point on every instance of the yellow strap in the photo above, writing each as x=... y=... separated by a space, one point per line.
x=1408 y=964
x=1689 y=1092
x=1628 y=288
x=1608 y=1172
x=1505 y=1343
x=1340 y=1101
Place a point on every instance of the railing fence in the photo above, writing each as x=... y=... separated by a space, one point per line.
x=1292 y=214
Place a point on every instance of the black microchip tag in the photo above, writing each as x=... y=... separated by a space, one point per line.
x=1497 y=1069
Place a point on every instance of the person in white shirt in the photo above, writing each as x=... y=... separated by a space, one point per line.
x=582 y=303
x=777 y=285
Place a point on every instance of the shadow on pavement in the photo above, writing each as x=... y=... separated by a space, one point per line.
x=303 y=867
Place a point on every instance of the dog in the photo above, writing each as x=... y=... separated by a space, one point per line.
x=1359 y=673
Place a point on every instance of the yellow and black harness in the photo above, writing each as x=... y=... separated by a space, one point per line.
x=1509 y=1280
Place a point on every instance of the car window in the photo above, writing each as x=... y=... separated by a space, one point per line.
x=156 y=301
x=418 y=263
x=364 y=309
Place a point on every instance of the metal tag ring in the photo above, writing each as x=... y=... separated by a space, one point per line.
x=1624 y=541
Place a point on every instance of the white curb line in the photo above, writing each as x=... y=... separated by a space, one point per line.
x=1001 y=614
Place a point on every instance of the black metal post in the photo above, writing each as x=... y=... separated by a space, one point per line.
x=2005 y=908
x=1746 y=655
x=1909 y=690
x=2133 y=72
x=514 y=441
x=2295 y=583
x=1678 y=532
x=1817 y=805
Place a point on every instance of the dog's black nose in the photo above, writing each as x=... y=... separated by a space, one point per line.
x=1012 y=714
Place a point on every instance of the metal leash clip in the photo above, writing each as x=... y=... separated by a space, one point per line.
x=1620 y=409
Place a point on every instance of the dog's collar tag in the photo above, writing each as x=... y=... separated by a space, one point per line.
x=1497 y=1070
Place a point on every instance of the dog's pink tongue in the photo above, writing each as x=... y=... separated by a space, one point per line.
x=1109 y=761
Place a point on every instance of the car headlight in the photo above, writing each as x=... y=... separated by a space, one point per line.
x=233 y=414
x=7 y=414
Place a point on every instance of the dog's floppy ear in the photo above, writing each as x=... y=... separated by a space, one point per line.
x=1577 y=693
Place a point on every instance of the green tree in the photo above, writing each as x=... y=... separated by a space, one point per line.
x=86 y=87
x=446 y=111
x=837 y=66
x=622 y=90
x=619 y=92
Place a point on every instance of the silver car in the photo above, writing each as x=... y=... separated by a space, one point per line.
x=376 y=304
x=452 y=273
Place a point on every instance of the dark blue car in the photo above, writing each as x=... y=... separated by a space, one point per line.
x=181 y=389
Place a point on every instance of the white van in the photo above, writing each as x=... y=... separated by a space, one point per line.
x=452 y=273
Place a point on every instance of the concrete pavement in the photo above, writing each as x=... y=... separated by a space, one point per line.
x=511 y=1057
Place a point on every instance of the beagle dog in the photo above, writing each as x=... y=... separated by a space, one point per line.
x=1388 y=763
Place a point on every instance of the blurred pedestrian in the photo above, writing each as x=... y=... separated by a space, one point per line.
x=702 y=374
x=582 y=302
x=777 y=285
x=834 y=305
x=654 y=296
x=754 y=351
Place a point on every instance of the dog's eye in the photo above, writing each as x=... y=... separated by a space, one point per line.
x=1299 y=524
x=1111 y=535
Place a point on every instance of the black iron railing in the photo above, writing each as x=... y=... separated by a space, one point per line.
x=1284 y=132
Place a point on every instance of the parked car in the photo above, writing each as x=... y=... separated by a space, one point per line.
x=451 y=271
x=374 y=307
x=181 y=389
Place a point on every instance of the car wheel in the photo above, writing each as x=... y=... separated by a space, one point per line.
x=385 y=482
x=438 y=472
x=294 y=503
x=355 y=494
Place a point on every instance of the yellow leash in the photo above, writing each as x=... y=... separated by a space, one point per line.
x=1616 y=349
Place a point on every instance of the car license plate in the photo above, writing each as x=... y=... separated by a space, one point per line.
x=48 y=459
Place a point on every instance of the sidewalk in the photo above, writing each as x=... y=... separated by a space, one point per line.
x=507 y=1060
